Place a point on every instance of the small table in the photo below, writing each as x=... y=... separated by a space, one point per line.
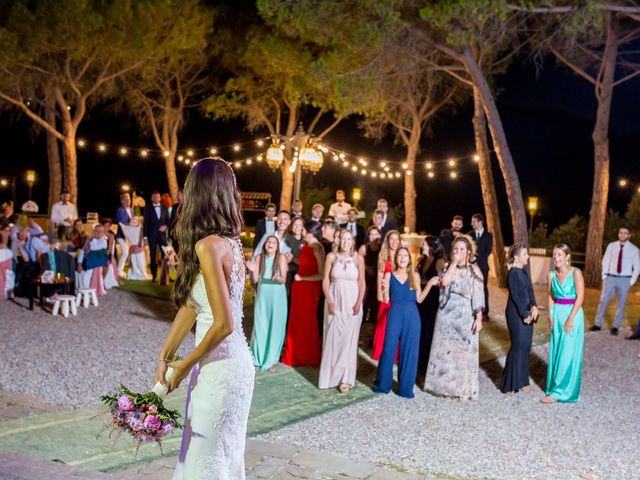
x=45 y=289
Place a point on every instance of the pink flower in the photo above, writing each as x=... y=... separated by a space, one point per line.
x=167 y=428
x=153 y=408
x=125 y=403
x=152 y=422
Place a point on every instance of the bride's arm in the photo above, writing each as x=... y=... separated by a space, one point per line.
x=213 y=252
x=182 y=324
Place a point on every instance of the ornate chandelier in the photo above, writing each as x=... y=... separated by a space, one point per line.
x=275 y=156
x=311 y=159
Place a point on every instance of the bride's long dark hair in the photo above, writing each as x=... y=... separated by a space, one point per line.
x=211 y=206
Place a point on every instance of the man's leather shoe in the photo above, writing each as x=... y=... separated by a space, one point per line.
x=614 y=331
x=595 y=328
x=635 y=336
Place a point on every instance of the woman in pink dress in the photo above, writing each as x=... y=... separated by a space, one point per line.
x=385 y=265
x=344 y=286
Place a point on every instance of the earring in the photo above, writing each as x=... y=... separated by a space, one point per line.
x=567 y=262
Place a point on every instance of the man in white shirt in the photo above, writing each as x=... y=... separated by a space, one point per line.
x=339 y=209
x=620 y=270
x=64 y=212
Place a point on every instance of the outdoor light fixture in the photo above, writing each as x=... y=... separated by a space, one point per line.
x=166 y=153
x=102 y=148
x=123 y=151
x=189 y=153
x=532 y=205
x=356 y=195
x=82 y=143
x=125 y=187
x=236 y=148
x=430 y=174
x=144 y=153
x=275 y=156
x=4 y=182
x=476 y=158
x=213 y=150
x=428 y=165
x=453 y=175
x=452 y=163
x=31 y=179
x=623 y=182
x=311 y=159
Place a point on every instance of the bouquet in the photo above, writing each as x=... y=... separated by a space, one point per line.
x=138 y=204
x=143 y=416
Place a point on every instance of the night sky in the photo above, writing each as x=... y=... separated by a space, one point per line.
x=548 y=117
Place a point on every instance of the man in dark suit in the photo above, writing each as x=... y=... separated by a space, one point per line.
x=484 y=245
x=173 y=219
x=265 y=225
x=447 y=235
x=156 y=223
x=387 y=223
x=356 y=230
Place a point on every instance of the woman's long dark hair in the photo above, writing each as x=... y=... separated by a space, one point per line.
x=211 y=206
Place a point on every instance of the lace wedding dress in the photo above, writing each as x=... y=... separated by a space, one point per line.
x=219 y=392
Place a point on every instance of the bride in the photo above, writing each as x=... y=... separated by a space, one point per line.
x=209 y=290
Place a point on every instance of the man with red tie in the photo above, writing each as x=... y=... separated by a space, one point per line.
x=620 y=270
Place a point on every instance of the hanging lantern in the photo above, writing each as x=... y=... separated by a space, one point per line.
x=311 y=159
x=275 y=156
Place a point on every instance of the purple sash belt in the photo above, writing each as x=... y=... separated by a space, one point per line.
x=565 y=301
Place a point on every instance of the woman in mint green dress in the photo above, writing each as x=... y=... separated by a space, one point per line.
x=269 y=272
x=566 y=320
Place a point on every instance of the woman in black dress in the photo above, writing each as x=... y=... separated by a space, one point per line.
x=430 y=265
x=370 y=251
x=521 y=314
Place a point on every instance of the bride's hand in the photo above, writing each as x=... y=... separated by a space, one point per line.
x=180 y=370
x=161 y=371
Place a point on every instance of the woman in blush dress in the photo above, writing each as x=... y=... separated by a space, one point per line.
x=343 y=286
x=385 y=265
x=209 y=291
x=566 y=320
x=302 y=343
x=521 y=313
x=369 y=252
x=268 y=273
x=453 y=363
x=430 y=265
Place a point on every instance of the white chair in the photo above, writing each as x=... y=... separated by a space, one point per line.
x=86 y=296
x=67 y=302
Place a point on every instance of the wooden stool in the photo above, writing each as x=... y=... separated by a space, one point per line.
x=67 y=302
x=86 y=296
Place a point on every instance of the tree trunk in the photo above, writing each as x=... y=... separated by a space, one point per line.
x=410 y=182
x=287 y=175
x=53 y=156
x=71 y=165
x=600 y=136
x=489 y=197
x=172 y=178
x=507 y=167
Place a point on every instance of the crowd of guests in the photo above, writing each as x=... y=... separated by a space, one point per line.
x=81 y=256
x=318 y=279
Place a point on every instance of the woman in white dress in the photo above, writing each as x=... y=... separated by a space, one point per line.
x=209 y=291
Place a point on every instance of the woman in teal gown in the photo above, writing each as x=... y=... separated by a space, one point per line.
x=566 y=320
x=269 y=272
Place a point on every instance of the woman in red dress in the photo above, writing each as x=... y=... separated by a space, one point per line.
x=302 y=344
x=385 y=265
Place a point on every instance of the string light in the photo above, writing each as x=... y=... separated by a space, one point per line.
x=386 y=169
x=623 y=182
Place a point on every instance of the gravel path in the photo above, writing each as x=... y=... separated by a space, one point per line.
x=507 y=437
x=116 y=342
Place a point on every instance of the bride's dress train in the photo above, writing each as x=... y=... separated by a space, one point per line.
x=219 y=392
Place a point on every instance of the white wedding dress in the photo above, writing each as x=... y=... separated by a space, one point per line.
x=219 y=392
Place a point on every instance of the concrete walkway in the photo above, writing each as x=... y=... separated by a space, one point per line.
x=264 y=461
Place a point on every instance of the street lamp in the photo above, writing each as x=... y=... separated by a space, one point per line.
x=533 y=208
x=125 y=187
x=356 y=195
x=10 y=182
x=31 y=179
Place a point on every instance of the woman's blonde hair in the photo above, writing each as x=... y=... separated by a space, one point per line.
x=352 y=251
x=383 y=256
x=410 y=269
x=563 y=247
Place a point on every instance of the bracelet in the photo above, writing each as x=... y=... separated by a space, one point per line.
x=165 y=360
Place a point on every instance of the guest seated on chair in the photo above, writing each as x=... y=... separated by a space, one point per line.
x=29 y=252
x=7 y=276
x=78 y=237
x=91 y=261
